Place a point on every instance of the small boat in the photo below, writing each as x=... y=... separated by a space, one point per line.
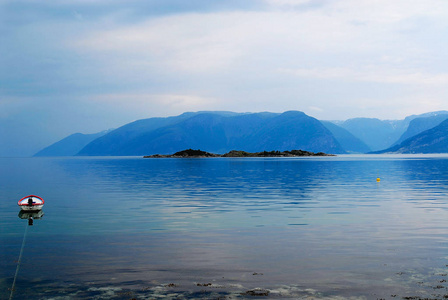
x=31 y=203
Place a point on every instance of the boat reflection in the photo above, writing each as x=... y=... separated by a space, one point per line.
x=31 y=215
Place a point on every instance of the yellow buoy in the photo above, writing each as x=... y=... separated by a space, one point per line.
x=378 y=179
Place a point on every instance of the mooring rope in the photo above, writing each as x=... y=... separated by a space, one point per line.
x=18 y=263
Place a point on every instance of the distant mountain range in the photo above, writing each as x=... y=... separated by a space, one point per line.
x=218 y=133
x=70 y=145
x=221 y=132
x=432 y=140
x=376 y=134
x=348 y=141
x=422 y=123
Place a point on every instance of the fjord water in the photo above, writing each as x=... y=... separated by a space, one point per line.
x=323 y=227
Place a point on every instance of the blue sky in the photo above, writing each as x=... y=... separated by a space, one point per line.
x=86 y=65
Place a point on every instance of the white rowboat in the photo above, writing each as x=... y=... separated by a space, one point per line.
x=31 y=203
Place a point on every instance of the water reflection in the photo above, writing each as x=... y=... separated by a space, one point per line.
x=169 y=224
x=31 y=216
x=214 y=187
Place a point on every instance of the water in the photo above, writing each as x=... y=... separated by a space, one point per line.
x=228 y=228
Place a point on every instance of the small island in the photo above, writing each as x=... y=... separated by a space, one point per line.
x=190 y=153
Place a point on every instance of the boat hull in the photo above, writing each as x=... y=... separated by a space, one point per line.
x=31 y=208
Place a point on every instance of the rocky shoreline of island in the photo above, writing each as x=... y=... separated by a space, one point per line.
x=190 y=153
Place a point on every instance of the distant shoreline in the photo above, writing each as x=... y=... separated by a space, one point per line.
x=190 y=153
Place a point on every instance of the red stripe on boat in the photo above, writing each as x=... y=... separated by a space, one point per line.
x=29 y=197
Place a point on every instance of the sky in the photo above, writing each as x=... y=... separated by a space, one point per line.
x=91 y=65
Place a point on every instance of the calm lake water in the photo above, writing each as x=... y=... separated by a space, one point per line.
x=228 y=228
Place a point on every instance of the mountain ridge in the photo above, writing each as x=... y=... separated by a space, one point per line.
x=69 y=145
x=219 y=133
x=222 y=131
x=433 y=140
x=420 y=124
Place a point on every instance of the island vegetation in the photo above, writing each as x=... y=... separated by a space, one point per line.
x=189 y=153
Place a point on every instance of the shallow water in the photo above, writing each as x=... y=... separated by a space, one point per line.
x=128 y=227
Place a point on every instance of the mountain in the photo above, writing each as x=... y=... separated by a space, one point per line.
x=376 y=134
x=421 y=124
x=382 y=134
x=424 y=115
x=220 y=132
x=203 y=131
x=291 y=130
x=217 y=132
x=70 y=145
x=347 y=140
x=21 y=137
x=116 y=141
x=434 y=140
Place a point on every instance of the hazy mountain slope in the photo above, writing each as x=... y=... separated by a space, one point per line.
x=434 y=140
x=348 y=141
x=116 y=139
x=408 y=119
x=70 y=145
x=293 y=130
x=421 y=124
x=242 y=127
x=381 y=134
x=219 y=133
x=22 y=136
x=375 y=133
x=204 y=131
x=113 y=142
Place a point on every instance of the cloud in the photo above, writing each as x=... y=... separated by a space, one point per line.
x=189 y=43
x=164 y=103
x=315 y=109
x=110 y=48
x=114 y=62
x=345 y=32
x=373 y=74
